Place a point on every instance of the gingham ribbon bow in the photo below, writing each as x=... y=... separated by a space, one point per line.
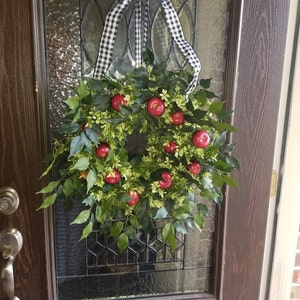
x=111 y=28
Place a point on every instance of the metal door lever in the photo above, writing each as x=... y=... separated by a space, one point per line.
x=11 y=242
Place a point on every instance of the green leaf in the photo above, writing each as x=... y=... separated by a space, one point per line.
x=82 y=217
x=162 y=213
x=226 y=149
x=67 y=128
x=48 y=201
x=76 y=145
x=189 y=105
x=49 y=188
x=87 y=230
x=223 y=126
x=205 y=83
x=210 y=94
x=131 y=232
x=89 y=200
x=201 y=97
x=123 y=154
x=101 y=102
x=199 y=221
x=68 y=187
x=124 y=197
x=230 y=181
x=148 y=57
x=232 y=162
x=168 y=235
x=98 y=213
x=125 y=111
x=111 y=154
x=116 y=229
x=48 y=169
x=77 y=116
x=216 y=106
x=73 y=102
x=85 y=140
x=95 y=84
x=190 y=197
x=180 y=227
x=222 y=166
x=82 y=90
x=90 y=179
x=217 y=180
x=134 y=221
x=92 y=135
x=203 y=209
x=122 y=241
x=59 y=151
x=82 y=164
x=220 y=139
x=199 y=114
x=116 y=120
x=209 y=194
x=207 y=183
x=183 y=211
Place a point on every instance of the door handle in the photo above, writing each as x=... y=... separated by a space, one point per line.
x=9 y=200
x=11 y=242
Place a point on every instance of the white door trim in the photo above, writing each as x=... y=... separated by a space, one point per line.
x=288 y=209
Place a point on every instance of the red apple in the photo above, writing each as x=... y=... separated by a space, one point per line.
x=135 y=199
x=201 y=139
x=114 y=178
x=118 y=100
x=194 y=168
x=155 y=107
x=102 y=150
x=170 y=147
x=177 y=118
x=166 y=182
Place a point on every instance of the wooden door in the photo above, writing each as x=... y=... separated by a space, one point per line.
x=23 y=144
x=253 y=78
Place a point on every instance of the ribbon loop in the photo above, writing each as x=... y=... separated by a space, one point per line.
x=110 y=31
x=108 y=38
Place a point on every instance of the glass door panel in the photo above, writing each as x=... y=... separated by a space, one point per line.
x=94 y=269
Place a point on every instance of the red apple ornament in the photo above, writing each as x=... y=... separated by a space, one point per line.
x=170 y=147
x=135 y=199
x=177 y=118
x=194 y=168
x=118 y=100
x=155 y=107
x=114 y=178
x=166 y=181
x=102 y=150
x=201 y=139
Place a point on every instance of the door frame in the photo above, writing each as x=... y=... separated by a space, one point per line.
x=287 y=204
x=39 y=47
x=256 y=48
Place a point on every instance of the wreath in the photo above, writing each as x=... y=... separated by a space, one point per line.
x=134 y=150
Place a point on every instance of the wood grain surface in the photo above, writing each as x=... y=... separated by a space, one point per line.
x=254 y=77
x=22 y=145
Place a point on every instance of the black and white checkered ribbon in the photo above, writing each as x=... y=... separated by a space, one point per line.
x=111 y=28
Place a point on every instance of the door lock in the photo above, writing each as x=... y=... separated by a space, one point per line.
x=11 y=242
x=9 y=200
